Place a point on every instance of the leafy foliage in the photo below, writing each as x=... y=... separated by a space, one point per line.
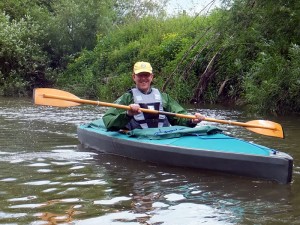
x=163 y=44
x=246 y=52
x=21 y=57
x=273 y=82
x=73 y=26
x=260 y=41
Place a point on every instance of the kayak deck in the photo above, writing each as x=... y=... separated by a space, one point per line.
x=216 y=142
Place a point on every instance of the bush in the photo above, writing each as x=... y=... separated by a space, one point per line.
x=22 y=62
x=162 y=43
x=272 y=85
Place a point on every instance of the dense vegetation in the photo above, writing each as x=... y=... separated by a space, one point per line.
x=247 y=52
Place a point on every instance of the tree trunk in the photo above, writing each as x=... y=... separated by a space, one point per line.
x=204 y=80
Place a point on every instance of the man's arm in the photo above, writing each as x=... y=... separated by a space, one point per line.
x=116 y=119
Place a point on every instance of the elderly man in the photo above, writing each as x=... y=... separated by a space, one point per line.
x=145 y=96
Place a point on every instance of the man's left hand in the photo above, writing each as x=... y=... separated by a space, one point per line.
x=198 y=118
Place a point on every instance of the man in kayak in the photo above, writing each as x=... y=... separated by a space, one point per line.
x=145 y=96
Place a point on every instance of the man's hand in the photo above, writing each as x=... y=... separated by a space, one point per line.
x=134 y=110
x=198 y=118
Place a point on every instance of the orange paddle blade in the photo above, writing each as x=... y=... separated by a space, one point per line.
x=39 y=97
x=266 y=127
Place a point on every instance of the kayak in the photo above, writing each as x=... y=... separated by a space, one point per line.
x=203 y=147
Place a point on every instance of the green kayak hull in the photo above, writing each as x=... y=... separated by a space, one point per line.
x=217 y=152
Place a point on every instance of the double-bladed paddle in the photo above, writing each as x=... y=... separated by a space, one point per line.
x=59 y=98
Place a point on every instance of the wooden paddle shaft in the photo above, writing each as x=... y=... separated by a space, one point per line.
x=106 y=104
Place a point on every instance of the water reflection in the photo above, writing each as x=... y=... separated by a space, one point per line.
x=159 y=191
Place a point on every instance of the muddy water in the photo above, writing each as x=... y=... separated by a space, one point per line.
x=47 y=178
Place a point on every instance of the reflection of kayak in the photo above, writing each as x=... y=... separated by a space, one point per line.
x=203 y=148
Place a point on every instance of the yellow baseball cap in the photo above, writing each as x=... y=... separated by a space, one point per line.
x=140 y=67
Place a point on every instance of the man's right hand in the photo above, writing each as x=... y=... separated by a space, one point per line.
x=134 y=110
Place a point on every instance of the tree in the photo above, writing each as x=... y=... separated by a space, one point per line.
x=132 y=10
x=22 y=61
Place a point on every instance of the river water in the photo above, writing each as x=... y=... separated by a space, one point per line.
x=46 y=177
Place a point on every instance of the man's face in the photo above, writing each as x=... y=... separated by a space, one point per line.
x=143 y=80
